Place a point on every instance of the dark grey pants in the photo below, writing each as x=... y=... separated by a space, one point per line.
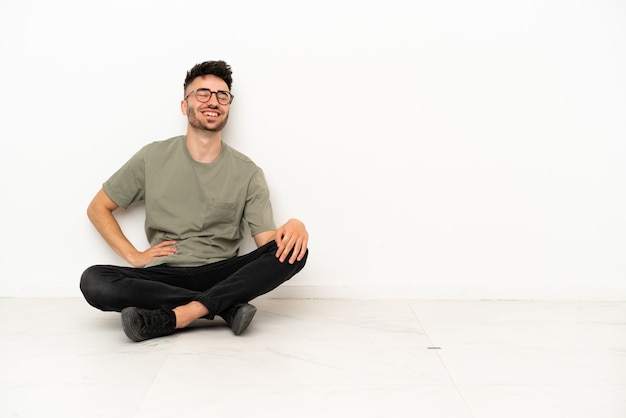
x=217 y=286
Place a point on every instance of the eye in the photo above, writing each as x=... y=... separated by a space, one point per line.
x=203 y=94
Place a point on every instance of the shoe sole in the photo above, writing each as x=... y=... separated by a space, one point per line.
x=127 y=325
x=242 y=318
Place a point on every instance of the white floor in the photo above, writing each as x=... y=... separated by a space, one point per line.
x=321 y=358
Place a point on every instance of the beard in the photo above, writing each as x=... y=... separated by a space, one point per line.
x=198 y=121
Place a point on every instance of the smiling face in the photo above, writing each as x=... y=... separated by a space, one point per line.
x=209 y=116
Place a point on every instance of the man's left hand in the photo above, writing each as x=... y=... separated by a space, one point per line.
x=292 y=236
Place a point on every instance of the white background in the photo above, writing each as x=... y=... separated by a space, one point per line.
x=444 y=149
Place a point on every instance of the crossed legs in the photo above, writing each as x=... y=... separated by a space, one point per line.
x=189 y=292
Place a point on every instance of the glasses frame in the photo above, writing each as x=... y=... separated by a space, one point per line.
x=211 y=93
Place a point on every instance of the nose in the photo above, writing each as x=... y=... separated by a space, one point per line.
x=213 y=99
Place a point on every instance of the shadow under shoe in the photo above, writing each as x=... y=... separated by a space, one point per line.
x=143 y=324
x=239 y=316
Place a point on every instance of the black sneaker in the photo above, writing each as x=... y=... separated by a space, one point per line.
x=142 y=324
x=239 y=316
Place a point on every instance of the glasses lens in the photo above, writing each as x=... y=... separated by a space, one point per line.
x=223 y=97
x=203 y=95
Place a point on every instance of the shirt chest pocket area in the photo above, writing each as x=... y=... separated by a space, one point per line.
x=221 y=215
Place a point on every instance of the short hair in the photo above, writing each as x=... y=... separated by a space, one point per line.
x=217 y=68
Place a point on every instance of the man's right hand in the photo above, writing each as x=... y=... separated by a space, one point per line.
x=100 y=212
x=162 y=249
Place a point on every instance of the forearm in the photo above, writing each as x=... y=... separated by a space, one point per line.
x=264 y=237
x=108 y=227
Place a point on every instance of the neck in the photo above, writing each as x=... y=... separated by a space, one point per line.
x=204 y=146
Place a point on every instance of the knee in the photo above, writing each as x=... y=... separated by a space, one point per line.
x=87 y=279
x=91 y=284
x=306 y=256
x=299 y=265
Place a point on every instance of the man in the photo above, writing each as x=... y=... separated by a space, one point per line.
x=198 y=193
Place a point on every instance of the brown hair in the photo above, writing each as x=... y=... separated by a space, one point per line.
x=216 y=68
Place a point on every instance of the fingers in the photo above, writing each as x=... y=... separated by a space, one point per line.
x=165 y=244
x=298 y=252
x=279 y=236
x=162 y=249
x=287 y=243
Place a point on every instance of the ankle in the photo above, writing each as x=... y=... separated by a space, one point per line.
x=186 y=314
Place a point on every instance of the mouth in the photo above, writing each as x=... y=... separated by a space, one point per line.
x=210 y=113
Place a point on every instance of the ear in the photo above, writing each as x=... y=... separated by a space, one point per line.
x=183 y=107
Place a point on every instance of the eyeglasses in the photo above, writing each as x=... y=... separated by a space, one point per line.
x=204 y=95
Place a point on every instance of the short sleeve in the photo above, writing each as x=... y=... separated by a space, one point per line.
x=127 y=185
x=258 y=210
